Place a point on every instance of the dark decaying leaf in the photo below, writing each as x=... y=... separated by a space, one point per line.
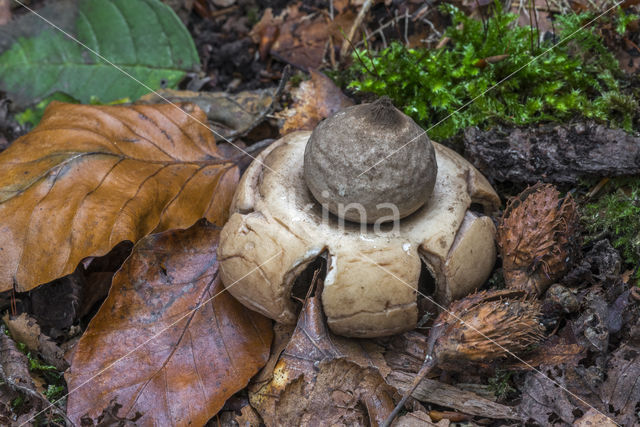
x=560 y=153
x=614 y=401
x=227 y=112
x=546 y=403
x=183 y=372
x=621 y=390
x=89 y=177
x=324 y=377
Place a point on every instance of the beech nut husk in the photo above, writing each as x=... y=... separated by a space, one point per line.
x=485 y=327
x=537 y=238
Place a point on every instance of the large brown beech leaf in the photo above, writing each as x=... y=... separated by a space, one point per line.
x=89 y=177
x=186 y=367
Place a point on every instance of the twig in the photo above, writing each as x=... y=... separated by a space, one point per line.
x=535 y=16
x=406 y=26
x=259 y=146
x=356 y=24
x=553 y=27
x=429 y=363
x=276 y=97
x=427 y=366
x=531 y=25
x=223 y=11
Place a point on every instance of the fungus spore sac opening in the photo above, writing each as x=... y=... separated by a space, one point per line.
x=305 y=278
x=426 y=286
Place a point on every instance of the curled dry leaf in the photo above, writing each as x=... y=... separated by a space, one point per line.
x=25 y=329
x=612 y=402
x=555 y=351
x=321 y=376
x=89 y=177
x=485 y=327
x=537 y=238
x=197 y=345
x=315 y=100
x=301 y=39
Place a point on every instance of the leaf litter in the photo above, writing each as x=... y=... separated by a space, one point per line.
x=576 y=356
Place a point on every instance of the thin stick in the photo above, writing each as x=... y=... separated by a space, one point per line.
x=535 y=16
x=553 y=28
x=356 y=24
x=429 y=363
x=531 y=25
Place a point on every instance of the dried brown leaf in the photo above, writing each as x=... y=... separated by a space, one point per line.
x=301 y=39
x=315 y=100
x=554 y=352
x=89 y=177
x=188 y=362
x=324 y=377
x=24 y=329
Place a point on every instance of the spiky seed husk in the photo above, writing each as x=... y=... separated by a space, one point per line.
x=537 y=238
x=487 y=326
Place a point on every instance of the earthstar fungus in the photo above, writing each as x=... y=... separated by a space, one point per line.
x=395 y=152
x=373 y=271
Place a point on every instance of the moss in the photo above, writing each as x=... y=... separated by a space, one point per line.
x=615 y=215
x=491 y=77
x=500 y=385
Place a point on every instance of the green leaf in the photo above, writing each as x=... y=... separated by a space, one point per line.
x=32 y=116
x=143 y=37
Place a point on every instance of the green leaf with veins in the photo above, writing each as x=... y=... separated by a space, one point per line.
x=143 y=37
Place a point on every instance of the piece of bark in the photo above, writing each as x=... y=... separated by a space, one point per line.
x=451 y=397
x=14 y=372
x=14 y=366
x=559 y=153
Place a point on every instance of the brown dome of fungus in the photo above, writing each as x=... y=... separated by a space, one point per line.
x=277 y=229
x=395 y=154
